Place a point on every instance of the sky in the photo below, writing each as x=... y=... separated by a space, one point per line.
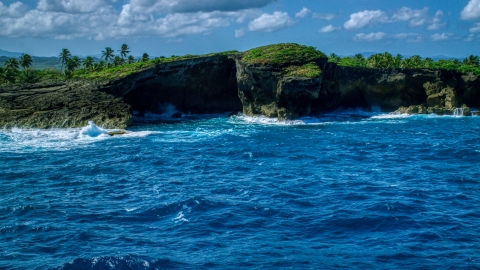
x=178 y=27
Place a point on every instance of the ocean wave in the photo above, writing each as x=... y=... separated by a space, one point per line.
x=121 y=262
x=60 y=139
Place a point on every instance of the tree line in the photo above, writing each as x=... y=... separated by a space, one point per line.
x=387 y=60
x=11 y=72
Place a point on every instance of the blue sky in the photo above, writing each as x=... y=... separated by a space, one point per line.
x=177 y=27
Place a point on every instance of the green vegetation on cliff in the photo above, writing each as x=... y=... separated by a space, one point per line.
x=310 y=70
x=470 y=64
x=284 y=54
x=296 y=60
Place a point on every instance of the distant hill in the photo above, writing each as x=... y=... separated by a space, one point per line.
x=9 y=54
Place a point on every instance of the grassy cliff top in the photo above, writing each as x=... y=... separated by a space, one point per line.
x=283 y=54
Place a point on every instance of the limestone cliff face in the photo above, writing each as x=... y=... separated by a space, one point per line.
x=201 y=85
x=435 y=91
x=62 y=104
x=265 y=90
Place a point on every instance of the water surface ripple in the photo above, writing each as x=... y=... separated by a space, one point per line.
x=346 y=190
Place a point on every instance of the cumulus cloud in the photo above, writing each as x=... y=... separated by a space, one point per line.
x=364 y=18
x=471 y=11
x=303 y=13
x=441 y=37
x=415 y=17
x=270 y=22
x=324 y=16
x=410 y=37
x=329 y=28
x=15 y=10
x=475 y=29
x=369 y=37
x=436 y=22
x=73 y=6
x=98 y=19
x=239 y=33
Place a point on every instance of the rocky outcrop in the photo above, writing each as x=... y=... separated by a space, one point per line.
x=408 y=90
x=266 y=90
x=220 y=84
x=61 y=104
x=200 y=85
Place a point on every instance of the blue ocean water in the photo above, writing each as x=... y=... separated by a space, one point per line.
x=351 y=189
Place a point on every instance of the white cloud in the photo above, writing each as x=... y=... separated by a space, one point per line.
x=73 y=6
x=470 y=37
x=303 y=13
x=106 y=22
x=436 y=22
x=471 y=11
x=415 y=17
x=270 y=22
x=15 y=10
x=369 y=37
x=475 y=29
x=441 y=37
x=364 y=18
x=410 y=37
x=239 y=33
x=329 y=28
x=324 y=16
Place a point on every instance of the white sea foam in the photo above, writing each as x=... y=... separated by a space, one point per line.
x=60 y=139
x=92 y=130
x=391 y=116
x=263 y=120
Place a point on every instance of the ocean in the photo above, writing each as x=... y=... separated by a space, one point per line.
x=349 y=189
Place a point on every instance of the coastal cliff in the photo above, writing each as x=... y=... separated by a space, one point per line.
x=200 y=85
x=437 y=91
x=257 y=82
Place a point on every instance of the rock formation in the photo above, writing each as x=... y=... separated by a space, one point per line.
x=219 y=84
x=200 y=85
x=266 y=90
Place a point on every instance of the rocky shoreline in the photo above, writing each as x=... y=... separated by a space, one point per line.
x=226 y=83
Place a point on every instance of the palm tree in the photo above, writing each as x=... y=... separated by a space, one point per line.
x=88 y=62
x=107 y=54
x=131 y=59
x=99 y=66
x=3 y=75
x=145 y=57
x=416 y=61
x=76 y=62
x=334 y=58
x=406 y=63
x=64 y=56
x=25 y=61
x=359 y=59
x=428 y=63
x=397 y=61
x=12 y=64
x=387 y=60
x=472 y=61
x=7 y=75
x=118 y=61
x=124 y=51
x=375 y=60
